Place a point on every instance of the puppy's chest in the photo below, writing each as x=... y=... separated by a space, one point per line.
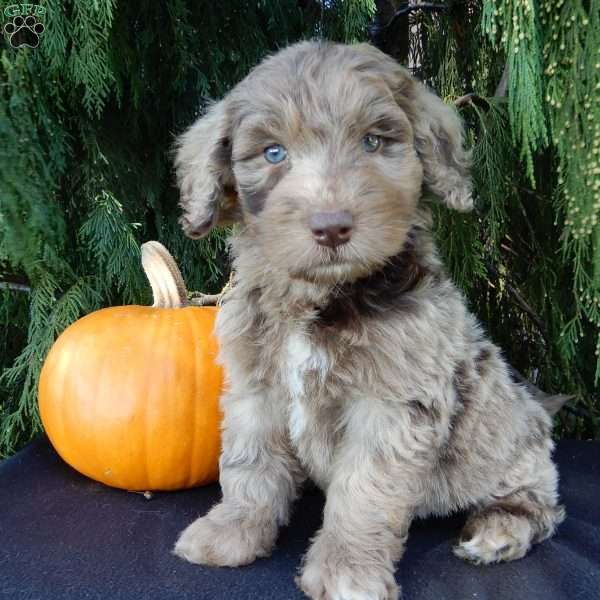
x=314 y=400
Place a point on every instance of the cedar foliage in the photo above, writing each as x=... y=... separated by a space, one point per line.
x=87 y=121
x=529 y=257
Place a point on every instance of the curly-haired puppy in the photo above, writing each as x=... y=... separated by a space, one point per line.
x=351 y=357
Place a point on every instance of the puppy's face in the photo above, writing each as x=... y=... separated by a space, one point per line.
x=322 y=153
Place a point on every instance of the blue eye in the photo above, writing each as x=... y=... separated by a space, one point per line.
x=371 y=142
x=275 y=153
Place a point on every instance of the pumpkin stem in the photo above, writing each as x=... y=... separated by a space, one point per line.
x=168 y=287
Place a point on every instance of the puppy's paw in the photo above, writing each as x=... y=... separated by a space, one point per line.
x=218 y=543
x=330 y=572
x=494 y=539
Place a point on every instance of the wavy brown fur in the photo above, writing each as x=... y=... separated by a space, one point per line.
x=359 y=367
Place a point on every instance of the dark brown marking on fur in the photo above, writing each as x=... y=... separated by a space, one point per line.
x=381 y=291
x=390 y=126
x=420 y=412
x=222 y=157
x=435 y=413
x=254 y=199
x=481 y=361
x=418 y=409
x=452 y=454
x=460 y=375
x=468 y=530
x=463 y=387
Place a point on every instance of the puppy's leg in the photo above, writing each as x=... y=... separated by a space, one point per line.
x=259 y=478
x=505 y=527
x=363 y=534
x=377 y=483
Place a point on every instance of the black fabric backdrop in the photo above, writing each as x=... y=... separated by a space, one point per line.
x=65 y=536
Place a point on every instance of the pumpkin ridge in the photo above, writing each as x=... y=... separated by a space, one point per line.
x=197 y=365
x=164 y=328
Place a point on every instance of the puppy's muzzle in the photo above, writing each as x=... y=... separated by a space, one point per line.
x=332 y=229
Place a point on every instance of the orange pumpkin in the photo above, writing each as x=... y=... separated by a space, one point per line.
x=129 y=395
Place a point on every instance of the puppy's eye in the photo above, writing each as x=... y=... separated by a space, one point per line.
x=275 y=153
x=371 y=142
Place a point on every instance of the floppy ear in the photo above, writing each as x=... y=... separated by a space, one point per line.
x=438 y=135
x=439 y=144
x=204 y=173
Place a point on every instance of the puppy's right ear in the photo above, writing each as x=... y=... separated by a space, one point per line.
x=204 y=173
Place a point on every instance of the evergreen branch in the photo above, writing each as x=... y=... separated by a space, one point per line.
x=520 y=301
x=19 y=287
x=472 y=99
x=502 y=86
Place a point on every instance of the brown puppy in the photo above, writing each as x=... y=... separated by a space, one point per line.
x=351 y=358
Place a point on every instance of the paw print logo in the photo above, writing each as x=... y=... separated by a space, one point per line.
x=24 y=32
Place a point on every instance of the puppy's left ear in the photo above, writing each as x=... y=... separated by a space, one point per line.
x=439 y=142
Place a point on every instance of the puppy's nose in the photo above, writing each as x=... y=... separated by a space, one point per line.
x=332 y=228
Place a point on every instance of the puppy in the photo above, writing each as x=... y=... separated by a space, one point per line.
x=350 y=356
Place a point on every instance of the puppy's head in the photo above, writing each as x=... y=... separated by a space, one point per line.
x=322 y=152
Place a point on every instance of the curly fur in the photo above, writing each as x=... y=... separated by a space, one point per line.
x=360 y=367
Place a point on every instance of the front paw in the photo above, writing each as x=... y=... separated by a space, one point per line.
x=222 y=540
x=333 y=571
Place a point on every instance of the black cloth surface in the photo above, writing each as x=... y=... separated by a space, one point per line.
x=65 y=536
